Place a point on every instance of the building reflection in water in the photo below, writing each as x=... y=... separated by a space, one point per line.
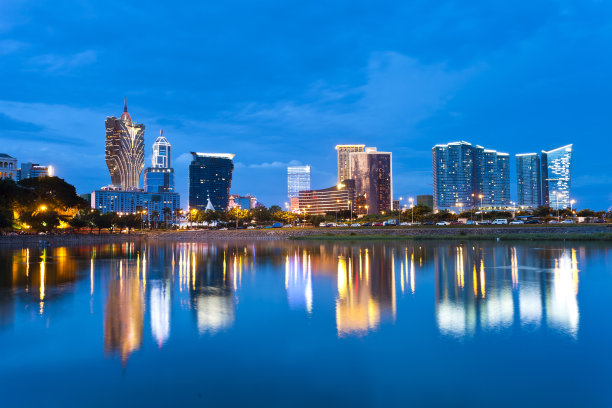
x=517 y=286
x=298 y=279
x=366 y=289
x=160 y=310
x=124 y=311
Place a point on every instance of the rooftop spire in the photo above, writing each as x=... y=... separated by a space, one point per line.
x=125 y=103
x=161 y=132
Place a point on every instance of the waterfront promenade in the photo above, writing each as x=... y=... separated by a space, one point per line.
x=577 y=231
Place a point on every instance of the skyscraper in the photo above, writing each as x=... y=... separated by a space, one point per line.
x=298 y=179
x=210 y=177
x=528 y=180
x=161 y=152
x=492 y=177
x=557 y=177
x=124 y=150
x=453 y=175
x=344 y=152
x=372 y=172
x=159 y=178
x=465 y=176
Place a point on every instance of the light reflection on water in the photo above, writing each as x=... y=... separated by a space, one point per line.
x=142 y=292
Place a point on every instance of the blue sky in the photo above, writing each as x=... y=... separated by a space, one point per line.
x=283 y=82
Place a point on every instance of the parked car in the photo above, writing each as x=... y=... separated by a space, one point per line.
x=287 y=226
x=567 y=221
x=223 y=229
x=378 y=224
x=442 y=223
x=250 y=227
x=277 y=225
x=553 y=222
x=366 y=224
x=428 y=223
x=322 y=224
x=342 y=225
x=516 y=222
x=404 y=224
x=500 y=221
x=356 y=224
x=483 y=222
x=533 y=221
x=331 y=224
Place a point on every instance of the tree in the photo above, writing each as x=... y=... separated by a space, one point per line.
x=79 y=220
x=542 y=211
x=274 y=209
x=167 y=212
x=155 y=217
x=54 y=192
x=586 y=213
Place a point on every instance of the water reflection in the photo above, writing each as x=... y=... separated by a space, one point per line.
x=507 y=285
x=477 y=287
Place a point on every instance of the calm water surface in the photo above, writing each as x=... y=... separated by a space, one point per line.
x=307 y=324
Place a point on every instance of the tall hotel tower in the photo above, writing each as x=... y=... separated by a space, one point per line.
x=372 y=173
x=159 y=178
x=124 y=150
x=210 y=178
x=344 y=152
x=528 y=180
x=556 y=177
x=298 y=179
x=466 y=176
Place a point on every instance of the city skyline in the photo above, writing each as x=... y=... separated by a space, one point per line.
x=378 y=77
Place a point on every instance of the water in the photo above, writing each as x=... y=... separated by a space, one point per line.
x=307 y=324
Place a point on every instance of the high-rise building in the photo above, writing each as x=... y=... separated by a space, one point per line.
x=344 y=167
x=298 y=179
x=453 y=175
x=8 y=167
x=33 y=170
x=465 y=176
x=557 y=177
x=159 y=178
x=124 y=150
x=210 y=177
x=372 y=172
x=161 y=152
x=492 y=178
x=528 y=180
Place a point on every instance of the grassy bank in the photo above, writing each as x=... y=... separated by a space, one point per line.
x=595 y=236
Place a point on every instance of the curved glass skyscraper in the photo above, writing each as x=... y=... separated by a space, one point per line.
x=556 y=176
x=124 y=150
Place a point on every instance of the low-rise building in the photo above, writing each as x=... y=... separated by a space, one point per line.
x=8 y=167
x=328 y=200
x=136 y=201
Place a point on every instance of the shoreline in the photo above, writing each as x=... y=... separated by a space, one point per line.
x=587 y=232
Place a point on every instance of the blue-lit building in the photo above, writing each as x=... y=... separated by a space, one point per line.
x=557 y=176
x=528 y=180
x=453 y=175
x=159 y=178
x=132 y=202
x=210 y=177
x=33 y=170
x=466 y=176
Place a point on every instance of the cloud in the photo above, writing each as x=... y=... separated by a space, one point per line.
x=55 y=63
x=269 y=165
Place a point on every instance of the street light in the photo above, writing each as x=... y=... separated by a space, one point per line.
x=572 y=202
x=481 y=214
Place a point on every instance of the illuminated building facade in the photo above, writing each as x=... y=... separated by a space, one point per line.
x=492 y=178
x=8 y=167
x=344 y=165
x=328 y=200
x=33 y=170
x=210 y=177
x=159 y=178
x=557 y=177
x=132 y=202
x=528 y=180
x=246 y=202
x=298 y=179
x=124 y=150
x=372 y=172
x=462 y=173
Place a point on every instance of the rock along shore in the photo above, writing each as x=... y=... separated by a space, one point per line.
x=293 y=233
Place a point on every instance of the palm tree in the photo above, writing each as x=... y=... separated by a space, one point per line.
x=155 y=216
x=167 y=212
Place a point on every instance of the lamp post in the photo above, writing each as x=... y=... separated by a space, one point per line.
x=399 y=211
x=460 y=205
x=350 y=204
x=572 y=202
x=411 y=200
x=557 y=196
x=481 y=214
